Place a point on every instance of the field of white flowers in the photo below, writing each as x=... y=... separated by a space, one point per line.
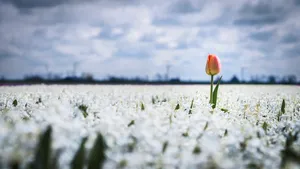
x=163 y=127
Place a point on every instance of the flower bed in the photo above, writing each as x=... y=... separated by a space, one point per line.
x=154 y=126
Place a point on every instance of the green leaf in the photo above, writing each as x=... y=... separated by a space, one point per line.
x=177 y=106
x=15 y=102
x=153 y=100
x=131 y=123
x=205 y=127
x=265 y=126
x=79 y=157
x=43 y=152
x=142 y=106
x=131 y=146
x=197 y=150
x=54 y=161
x=283 y=106
x=165 y=145
x=122 y=164
x=13 y=164
x=97 y=153
x=225 y=133
x=224 y=110
x=83 y=109
x=39 y=101
x=215 y=94
x=170 y=119
x=185 y=134
x=191 y=107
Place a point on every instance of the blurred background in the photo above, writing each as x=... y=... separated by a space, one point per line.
x=150 y=40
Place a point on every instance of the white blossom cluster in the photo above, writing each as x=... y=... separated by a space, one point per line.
x=154 y=126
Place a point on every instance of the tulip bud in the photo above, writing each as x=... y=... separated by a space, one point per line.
x=213 y=65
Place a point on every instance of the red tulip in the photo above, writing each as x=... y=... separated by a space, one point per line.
x=213 y=65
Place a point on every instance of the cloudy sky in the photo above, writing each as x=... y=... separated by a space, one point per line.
x=140 y=37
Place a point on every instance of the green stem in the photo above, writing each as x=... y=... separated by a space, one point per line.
x=211 y=89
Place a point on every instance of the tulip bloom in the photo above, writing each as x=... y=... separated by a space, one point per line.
x=213 y=65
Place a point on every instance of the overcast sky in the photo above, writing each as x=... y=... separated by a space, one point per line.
x=139 y=38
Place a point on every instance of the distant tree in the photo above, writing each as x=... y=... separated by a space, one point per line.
x=158 y=77
x=272 y=79
x=234 y=79
x=253 y=79
x=33 y=78
x=137 y=79
x=175 y=80
x=87 y=76
x=292 y=79
x=289 y=79
x=56 y=76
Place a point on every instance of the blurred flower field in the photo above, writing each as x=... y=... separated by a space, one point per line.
x=153 y=126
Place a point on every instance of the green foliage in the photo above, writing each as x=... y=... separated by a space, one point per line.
x=225 y=133
x=243 y=144
x=253 y=165
x=177 y=106
x=225 y=110
x=215 y=94
x=97 y=154
x=13 y=164
x=15 y=103
x=197 y=150
x=83 y=109
x=43 y=151
x=131 y=146
x=265 y=126
x=191 y=107
x=185 y=134
x=205 y=127
x=122 y=164
x=25 y=118
x=153 y=100
x=282 y=110
x=54 y=160
x=131 y=123
x=283 y=106
x=79 y=157
x=165 y=146
x=39 y=101
x=142 y=106
x=170 y=119
x=43 y=158
x=288 y=153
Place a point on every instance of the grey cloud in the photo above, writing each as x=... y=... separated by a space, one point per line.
x=25 y=5
x=35 y=3
x=183 y=7
x=38 y=32
x=262 y=8
x=161 y=46
x=165 y=21
x=261 y=13
x=147 y=38
x=182 y=46
x=5 y=54
x=107 y=34
x=133 y=51
x=292 y=53
x=290 y=38
x=297 y=2
x=262 y=36
x=252 y=21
